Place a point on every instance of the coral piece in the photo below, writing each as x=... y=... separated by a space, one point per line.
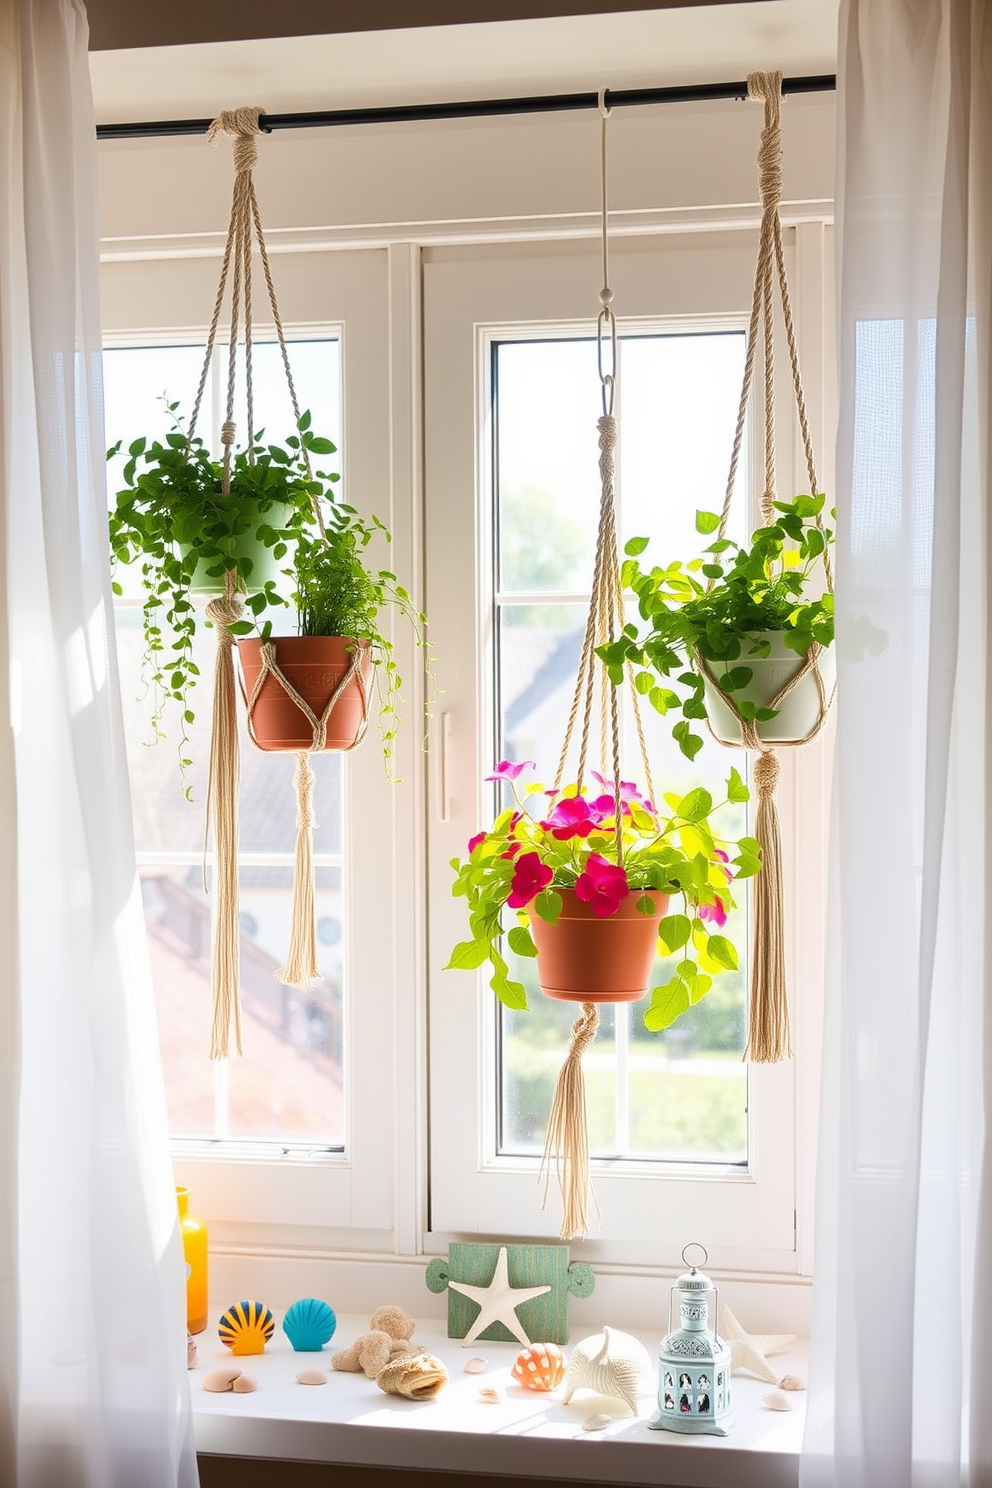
x=190 y=1351
x=418 y=1377
x=309 y=1324
x=244 y=1384
x=476 y=1365
x=748 y=1350
x=540 y=1367
x=611 y=1363
x=775 y=1400
x=394 y=1321
x=246 y=1327
x=488 y=1395
x=219 y=1381
x=369 y=1354
x=311 y=1377
x=792 y=1382
x=596 y=1423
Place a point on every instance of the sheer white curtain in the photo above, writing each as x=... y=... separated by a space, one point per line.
x=93 y=1387
x=901 y=1373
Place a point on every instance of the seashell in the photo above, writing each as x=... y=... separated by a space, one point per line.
x=311 y=1377
x=611 y=1363
x=369 y=1354
x=475 y=1366
x=596 y=1423
x=418 y=1377
x=221 y=1380
x=394 y=1321
x=775 y=1400
x=490 y=1396
x=244 y=1385
x=792 y=1382
x=190 y=1351
x=540 y=1367
x=246 y=1327
x=309 y=1324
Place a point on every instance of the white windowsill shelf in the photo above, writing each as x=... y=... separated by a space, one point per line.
x=349 y=1420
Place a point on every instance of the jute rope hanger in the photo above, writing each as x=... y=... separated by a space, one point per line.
x=566 y=1148
x=769 y=1038
x=244 y=232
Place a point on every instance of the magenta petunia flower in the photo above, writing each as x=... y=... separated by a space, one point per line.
x=512 y=850
x=473 y=842
x=530 y=876
x=719 y=853
x=574 y=816
x=507 y=770
x=628 y=790
x=715 y=913
x=603 y=885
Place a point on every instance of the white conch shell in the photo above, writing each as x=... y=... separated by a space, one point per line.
x=611 y=1363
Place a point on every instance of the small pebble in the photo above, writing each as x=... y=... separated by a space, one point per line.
x=489 y=1396
x=221 y=1380
x=244 y=1385
x=775 y=1400
x=476 y=1366
x=792 y=1382
x=311 y=1377
x=595 y=1423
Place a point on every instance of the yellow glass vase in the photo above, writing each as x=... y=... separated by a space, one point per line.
x=194 y=1232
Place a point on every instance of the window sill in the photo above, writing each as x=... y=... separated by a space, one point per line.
x=350 y=1421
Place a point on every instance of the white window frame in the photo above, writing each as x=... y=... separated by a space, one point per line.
x=750 y=1220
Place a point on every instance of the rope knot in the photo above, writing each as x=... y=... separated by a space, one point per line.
x=767 y=87
x=583 y=1031
x=227 y=430
x=607 y=426
x=765 y=772
x=224 y=611
x=241 y=125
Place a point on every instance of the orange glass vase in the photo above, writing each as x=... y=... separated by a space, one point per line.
x=194 y=1232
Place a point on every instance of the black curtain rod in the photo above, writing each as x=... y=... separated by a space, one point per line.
x=481 y=108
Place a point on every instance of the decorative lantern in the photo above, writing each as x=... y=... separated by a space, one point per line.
x=694 y=1363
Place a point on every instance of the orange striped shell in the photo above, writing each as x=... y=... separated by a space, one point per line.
x=540 y=1367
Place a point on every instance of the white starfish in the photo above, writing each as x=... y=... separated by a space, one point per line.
x=498 y=1302
x=748 y=1350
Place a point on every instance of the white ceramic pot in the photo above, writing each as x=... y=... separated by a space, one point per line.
x=798 y=711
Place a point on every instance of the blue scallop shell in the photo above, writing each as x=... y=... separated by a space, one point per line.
x=246 y=1327
x=309 y=1324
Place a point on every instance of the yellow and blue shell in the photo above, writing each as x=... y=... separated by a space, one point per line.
x=309 y=1324
x=246 y=1327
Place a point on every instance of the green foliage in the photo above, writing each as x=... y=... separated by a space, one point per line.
x=722 y=606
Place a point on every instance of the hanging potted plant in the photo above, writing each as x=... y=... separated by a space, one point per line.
x=314 y=690
x=592 y=902
x=173 y=518
x=741 y=637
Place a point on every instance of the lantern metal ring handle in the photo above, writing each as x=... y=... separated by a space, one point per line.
x=694 y=1245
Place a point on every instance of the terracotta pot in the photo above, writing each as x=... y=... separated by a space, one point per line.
x=314 y=665
x=799 y=710
x=264 y=567
x=586 y=957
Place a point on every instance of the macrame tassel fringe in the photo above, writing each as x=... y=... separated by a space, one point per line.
x=566 y=1146
x=769 y=1039
x=300 y=969
x=222 y=812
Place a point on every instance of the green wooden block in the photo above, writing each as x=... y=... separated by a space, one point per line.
x=544 y=1319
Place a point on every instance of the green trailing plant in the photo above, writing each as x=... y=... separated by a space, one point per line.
x=722 y=606
x=173 y=520
x=549 y=840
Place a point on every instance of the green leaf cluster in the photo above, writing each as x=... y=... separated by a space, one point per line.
x=722 y=606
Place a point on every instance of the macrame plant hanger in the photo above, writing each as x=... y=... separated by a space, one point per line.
x=566 y=1148
x=769 y=1038
x=222 y=791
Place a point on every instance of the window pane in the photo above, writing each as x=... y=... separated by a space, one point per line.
x=681 y=1095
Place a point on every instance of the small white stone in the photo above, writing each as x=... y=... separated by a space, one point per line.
x=221 y=1380
x=775 y=1400
x=490 y=1396
x=311 y=1377
x=476 y=1366
x=244 y=1385
x=596 y=1423
x=792 y=1382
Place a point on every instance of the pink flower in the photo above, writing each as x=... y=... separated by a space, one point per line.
x=530 y=876
x=714 y=912
x=473 y=842
x=574 y=816
x=506 y=770
x=603 y=885
x=628 y=790
x=512 y=850
x=719 y=853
